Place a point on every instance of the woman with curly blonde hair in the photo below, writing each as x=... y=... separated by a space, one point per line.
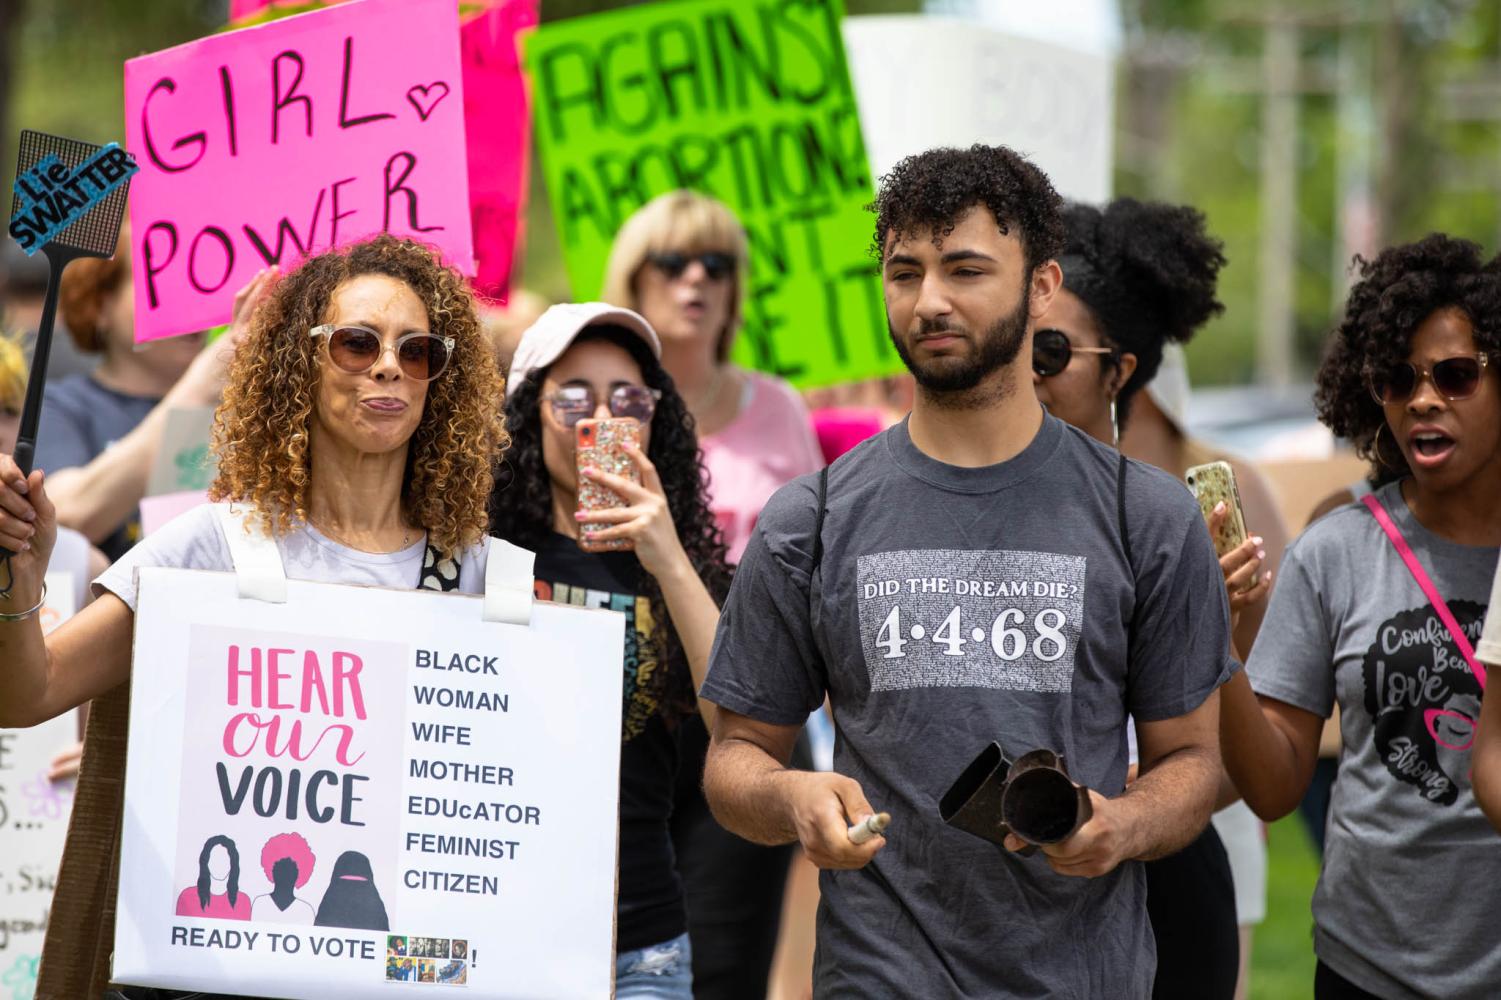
x=359 y=430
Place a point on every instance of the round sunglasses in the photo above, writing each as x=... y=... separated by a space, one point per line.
x=1453 y=378
x=717 y=265
x=357 y=349
x=1052 y=352
x=572 y=403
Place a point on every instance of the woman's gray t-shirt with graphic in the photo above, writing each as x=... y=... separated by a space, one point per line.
x=1403 y=905
x=954 y=607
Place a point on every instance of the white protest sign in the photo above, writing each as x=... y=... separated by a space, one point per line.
x=962 y=83
x=362 y=786
x=33 y=823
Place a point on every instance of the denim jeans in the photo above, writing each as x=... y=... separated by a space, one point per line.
x=658 y=972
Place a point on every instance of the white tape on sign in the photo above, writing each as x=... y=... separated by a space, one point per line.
x=508 y=583
x=259 y=573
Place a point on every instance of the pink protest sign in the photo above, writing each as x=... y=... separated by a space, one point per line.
x=497 y=114
x=497 y=124
x=261 y=145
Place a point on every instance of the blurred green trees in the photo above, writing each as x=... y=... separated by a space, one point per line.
x=1397 y=103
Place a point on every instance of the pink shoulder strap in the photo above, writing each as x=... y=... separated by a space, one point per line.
x=1429 y=590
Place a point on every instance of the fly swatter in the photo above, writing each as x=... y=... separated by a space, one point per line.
x=68 y=203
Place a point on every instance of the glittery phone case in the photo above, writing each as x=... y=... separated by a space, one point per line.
x=1213 y=483
x=601 y=445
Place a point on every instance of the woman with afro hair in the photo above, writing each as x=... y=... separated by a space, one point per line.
x=1376 y=608
x=1139 y=278
x=660 y=559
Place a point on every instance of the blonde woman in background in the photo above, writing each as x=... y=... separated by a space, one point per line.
x=682 y=261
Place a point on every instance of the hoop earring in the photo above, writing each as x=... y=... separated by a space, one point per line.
x=1376 y=449
x=1115 y=426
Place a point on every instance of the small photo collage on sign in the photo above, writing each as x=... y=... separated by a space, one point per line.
x=413 y=959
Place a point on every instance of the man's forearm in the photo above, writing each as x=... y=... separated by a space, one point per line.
x=746 y=790
x=1168 y=806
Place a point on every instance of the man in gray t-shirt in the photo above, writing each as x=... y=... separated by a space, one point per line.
x=972 y=583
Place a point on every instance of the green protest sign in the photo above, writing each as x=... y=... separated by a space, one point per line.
x=748 y=101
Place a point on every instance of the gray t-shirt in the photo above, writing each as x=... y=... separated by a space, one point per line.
x=195 y=540
x=1404 y=904
x=955 y=607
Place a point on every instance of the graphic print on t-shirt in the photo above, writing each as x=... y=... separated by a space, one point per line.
x=1423 y=699
x=959 y=618
x=642 y=696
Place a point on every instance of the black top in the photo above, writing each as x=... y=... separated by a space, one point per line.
x=650 y=908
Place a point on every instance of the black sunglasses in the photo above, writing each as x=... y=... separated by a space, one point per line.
x=716 y=265
x=1051 y=352
x=1454 y=378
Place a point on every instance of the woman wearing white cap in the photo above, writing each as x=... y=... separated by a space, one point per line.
x=591 y=360
x=682 y=261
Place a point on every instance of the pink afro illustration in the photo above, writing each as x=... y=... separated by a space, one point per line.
x=288 y=845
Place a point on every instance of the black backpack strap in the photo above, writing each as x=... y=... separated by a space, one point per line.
x=1120 y=512
x=823 y=499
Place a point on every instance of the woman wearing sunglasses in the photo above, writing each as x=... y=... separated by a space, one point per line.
x=1139 y=278
x=1377 y=608
x=591 y=360
x=681 y=262
x=359 y=430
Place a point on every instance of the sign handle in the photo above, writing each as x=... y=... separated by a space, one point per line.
x=508 y=583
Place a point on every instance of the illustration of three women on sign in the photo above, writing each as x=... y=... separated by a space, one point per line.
x=351 y=899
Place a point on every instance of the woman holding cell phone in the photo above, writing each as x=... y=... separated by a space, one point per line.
x=1377 y=608
x=636 y=536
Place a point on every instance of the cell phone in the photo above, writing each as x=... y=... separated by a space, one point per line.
x=601 y=445
x=1212 y=484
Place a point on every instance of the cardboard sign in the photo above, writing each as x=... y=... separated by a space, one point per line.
x=1049 y=102
x=33 y=823
x=261 y=145
x=162 y=509
x=749 y=101
x=185 y=460
x=497 y=124
x=52 y=197
x=363 y=786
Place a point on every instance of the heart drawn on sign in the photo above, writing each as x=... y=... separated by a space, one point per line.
x=425 y=99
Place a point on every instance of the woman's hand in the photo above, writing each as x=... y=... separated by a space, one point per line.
x=645 y=522
x=1245 y=584
x=203 y=383
x=28 y=528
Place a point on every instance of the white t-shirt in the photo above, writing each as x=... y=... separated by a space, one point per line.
x=195 y=540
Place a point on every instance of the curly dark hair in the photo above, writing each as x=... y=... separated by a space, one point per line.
x=1396 y=292
x=929 y=191
x=521 y=505
x=261 y=430
x=1147 y=272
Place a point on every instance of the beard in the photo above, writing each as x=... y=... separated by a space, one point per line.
x=997 y=348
